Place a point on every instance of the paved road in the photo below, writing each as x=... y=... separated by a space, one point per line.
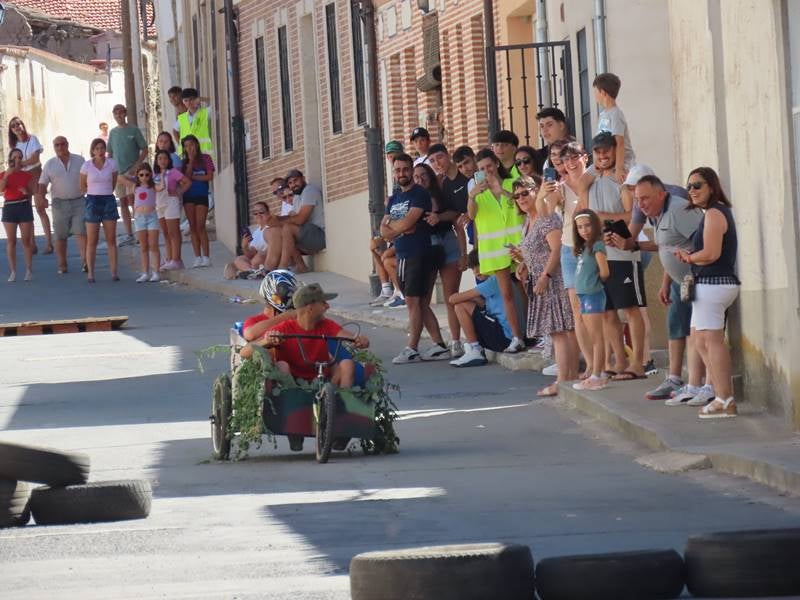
x=479 y=461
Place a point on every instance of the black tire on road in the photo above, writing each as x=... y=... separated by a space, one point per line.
x=14 y=509
x=325 y=422
x=641 y=575
x=221 y=403
x=462 y=572
x=43 y=465
x=92 y=503
x=740 y=564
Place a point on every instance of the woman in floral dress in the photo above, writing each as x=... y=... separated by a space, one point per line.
x=539 y=254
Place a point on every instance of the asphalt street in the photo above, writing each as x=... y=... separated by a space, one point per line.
x=480 y=460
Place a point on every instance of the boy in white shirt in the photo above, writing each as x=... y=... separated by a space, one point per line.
x=606 y=89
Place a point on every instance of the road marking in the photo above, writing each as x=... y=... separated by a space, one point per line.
x=325 y=496
x=158 y=351
x=418 y=414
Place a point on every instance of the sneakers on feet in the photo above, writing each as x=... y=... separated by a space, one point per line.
x=472 y=357
x=515 y=346
x=665 y=390
x=436 y=352
x=396 y=302
x=407 y=355
x=381 y=300
x=126 y=240
x=456 y=349
x=719 y=409
x=198 y=262
x=551 y=370
x=142 y=278
x=205 y=261
x=702 y=397
x=650 y=368
x=28 y=276
x=682 y=396
x=154 y=278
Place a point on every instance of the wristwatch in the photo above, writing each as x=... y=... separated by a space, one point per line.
x=636 y=246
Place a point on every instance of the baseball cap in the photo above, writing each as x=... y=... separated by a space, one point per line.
x=393 y=146
x=604 y=139
x=308 y=294
x=420 y=132
x=280 y=189
x=636 y=173
x=293 y=173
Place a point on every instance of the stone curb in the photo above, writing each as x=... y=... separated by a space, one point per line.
x=633 y=427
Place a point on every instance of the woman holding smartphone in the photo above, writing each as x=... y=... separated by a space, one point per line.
x=16 y=185
x=499 y=224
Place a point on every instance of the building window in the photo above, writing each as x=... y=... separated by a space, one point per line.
x=33 y=79
x=19 y=81
x=42 y=69
x=358 y=65
x=333 y=68
x=263 y=112
x=583 y=85
x=286 y=88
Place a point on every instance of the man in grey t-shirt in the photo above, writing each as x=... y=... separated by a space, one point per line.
x=625 y=285
x=674 y=222
x=303 y=230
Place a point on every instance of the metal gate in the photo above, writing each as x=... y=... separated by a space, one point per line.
x=532 y=77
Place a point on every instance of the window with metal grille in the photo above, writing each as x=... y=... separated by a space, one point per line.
x=333 y=68
x=286 y=88
x=263 y=110
x=583 y=85
x=358 y=64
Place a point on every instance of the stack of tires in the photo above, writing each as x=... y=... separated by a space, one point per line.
x=66 y=496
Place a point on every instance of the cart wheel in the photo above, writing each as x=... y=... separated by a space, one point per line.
x=220 y=415
x=325 y=417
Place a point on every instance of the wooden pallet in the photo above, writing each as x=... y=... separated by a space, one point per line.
x=62 y=326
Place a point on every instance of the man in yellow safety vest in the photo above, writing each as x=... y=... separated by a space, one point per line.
x=195 y=121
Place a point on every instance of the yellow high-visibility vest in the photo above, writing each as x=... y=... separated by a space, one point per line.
x=199 y=128
x=498 y=222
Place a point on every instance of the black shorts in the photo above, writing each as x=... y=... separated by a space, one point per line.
x=625 y=285
x=198 y=200
x=414 y=274
x=489 y=331
x=20 y=211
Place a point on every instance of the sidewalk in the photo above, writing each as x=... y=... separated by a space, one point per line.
x=754 y=445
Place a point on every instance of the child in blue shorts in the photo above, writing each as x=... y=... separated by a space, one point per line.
x=592 y=270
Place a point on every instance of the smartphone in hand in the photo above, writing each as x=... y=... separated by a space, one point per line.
x=550 y=174
x=480 y=176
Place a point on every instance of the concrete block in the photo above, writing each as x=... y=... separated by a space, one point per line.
x=30 y=330
x=674 y=462
x=65 y=328
x=99 y=326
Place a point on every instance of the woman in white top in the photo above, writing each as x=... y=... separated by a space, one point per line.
x=261 y=245
x=98 y=180
x=18 y=137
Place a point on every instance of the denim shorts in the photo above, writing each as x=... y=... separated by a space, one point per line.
x=646 y=257
x=679 y=314
x=146 y=222
x=569 y=264
x=100 y=208
x=449 y=242
x=593 y=304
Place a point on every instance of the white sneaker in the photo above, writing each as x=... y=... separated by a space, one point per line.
x=456 y=349
x=198 y=262
x=379 y=300
x=142 y=278
x=473 y=357
x=206 y=261
x=407 y=355
x=703 y=397
x=436 y=352
x=515 y=346
x=126 y=240
x=154 y=278
x=551 y=370
x=682 y=396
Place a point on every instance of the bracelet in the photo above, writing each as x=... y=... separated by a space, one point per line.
x=636 y=247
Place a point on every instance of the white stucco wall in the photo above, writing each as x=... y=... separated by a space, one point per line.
x=72 y=103
x=347 y=232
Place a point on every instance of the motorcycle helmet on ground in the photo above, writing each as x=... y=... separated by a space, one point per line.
x=277 y=289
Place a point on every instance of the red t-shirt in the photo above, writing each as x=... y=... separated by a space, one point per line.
x=315 y=350
x=16 y=186
x=250 y=321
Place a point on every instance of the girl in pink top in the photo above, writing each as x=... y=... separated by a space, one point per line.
x=146 y=220
x=170 y=185
x=98 y=179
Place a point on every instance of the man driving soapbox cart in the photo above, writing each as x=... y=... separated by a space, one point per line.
x=292 y=337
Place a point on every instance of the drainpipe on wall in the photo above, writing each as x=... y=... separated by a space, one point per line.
x=236 y=125
x=127 y=58
x=543 y=64
x=600 y=63
x=491 y=67
x=372 y=132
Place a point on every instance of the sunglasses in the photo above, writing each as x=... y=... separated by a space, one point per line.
x=521 y=194
x=570 y=157
x=523 y=161
x=696 y=185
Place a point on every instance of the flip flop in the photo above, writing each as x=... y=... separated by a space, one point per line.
x=548 y=392
x=608 y=374
x=627 y=376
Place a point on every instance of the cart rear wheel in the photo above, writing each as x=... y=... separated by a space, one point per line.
x=325 y=418
x=220 y=416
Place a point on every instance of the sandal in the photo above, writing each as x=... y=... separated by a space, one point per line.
x=608 y=374
x=719 y=409
x=48 y=249
x=548 y=392
x=627 y=376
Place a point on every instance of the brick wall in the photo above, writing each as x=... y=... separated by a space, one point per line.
x=343 y=154
x=463 y=104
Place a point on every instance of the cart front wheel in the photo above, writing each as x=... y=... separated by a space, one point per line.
x=220 y=415
x=326 y=403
